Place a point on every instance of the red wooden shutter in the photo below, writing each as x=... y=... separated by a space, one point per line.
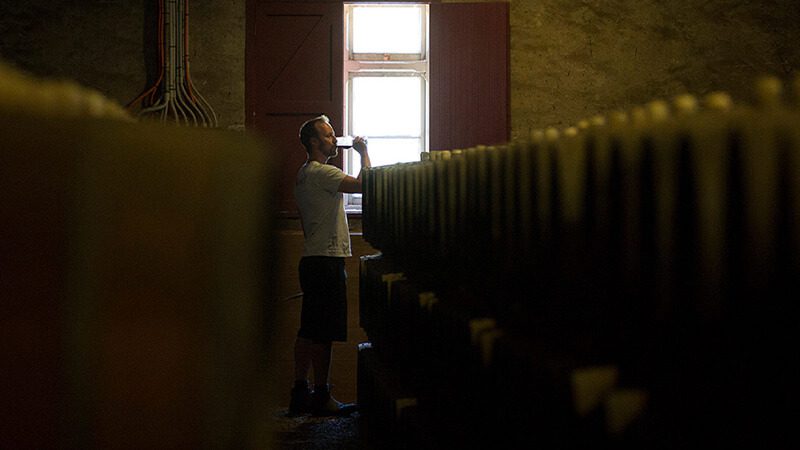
x=294 y=71
x=469 y=79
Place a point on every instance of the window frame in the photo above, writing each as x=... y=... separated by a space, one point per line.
x=382 y=64
x=350 y=55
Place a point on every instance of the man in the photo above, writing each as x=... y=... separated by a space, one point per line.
x=319 y=192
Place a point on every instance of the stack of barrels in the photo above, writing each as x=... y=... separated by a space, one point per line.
x=134 y=267
x=24 y=94
x=627 y=281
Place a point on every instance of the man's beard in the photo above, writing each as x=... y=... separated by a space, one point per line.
x=334 y=152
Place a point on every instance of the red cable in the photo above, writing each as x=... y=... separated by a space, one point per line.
x=186 y=50
x=153 y=88
x=161 y=56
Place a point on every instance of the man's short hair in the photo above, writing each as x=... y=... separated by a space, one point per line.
x=309 y=130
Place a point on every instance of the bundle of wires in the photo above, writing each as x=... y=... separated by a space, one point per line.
x=173 y=96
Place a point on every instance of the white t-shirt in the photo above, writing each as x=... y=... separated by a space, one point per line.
x=321 y=208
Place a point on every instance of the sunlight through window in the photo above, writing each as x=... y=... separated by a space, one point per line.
x=387 y=106
x=387 y=29
x=387 y=87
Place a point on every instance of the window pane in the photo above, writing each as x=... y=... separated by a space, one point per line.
x=383 y=152
x=387 y=106
x=387 y=29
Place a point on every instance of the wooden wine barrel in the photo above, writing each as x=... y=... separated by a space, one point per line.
x=136 y=262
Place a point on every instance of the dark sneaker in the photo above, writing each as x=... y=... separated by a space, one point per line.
x=323 y=404
x=300 y=402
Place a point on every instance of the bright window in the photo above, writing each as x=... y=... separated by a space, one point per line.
x=387 y=83
x=384 y=29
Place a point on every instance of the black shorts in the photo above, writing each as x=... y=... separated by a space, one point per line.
x=324 y=314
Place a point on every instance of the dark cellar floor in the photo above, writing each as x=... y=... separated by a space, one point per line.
x=317 y=433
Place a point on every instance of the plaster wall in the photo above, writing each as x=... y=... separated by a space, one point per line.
x=110 y=45
x=570 y=59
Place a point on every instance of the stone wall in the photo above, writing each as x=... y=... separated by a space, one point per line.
x=571 y=59
x=110 y=45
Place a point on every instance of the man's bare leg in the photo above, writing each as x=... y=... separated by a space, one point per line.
x=305 y=353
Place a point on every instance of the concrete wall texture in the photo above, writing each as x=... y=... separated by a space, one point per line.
x=110 y=45
x=571 y=59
